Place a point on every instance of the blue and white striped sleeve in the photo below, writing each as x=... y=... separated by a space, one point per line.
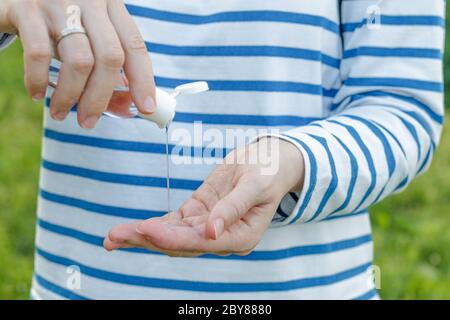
x=389 y=110
x=5 y=40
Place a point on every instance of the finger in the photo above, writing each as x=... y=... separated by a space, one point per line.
x=37 y=47
x=77 y=63
x=109 y=59
x=216 y=186
x=187 y=238
x=207 y=194
x=193 y=207
x=173 y=237
x=138 y=66
x=195 y=220
x=110 y=245
x=232 y=208
x=126 y=236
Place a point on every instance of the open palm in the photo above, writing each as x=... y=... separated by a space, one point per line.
x=228 y=214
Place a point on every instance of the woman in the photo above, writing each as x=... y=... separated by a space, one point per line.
x=353 y=87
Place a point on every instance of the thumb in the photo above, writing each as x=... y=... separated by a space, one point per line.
x=231 y=209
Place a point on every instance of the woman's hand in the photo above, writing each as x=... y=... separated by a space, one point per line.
x=230 y=211
x=90 y=62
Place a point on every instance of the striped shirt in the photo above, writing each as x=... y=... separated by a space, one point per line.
x=5 y=40
x=356 y=85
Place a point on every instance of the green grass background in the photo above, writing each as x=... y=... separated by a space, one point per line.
x=411 y=230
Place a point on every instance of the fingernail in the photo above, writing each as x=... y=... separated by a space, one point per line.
x=60 y=115
x=38 y=96
x=219 y=226
x=149 y=105
x=89 y=122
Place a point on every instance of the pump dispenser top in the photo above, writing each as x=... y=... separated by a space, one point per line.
x=166 y=103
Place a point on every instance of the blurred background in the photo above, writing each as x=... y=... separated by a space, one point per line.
x=411 y=230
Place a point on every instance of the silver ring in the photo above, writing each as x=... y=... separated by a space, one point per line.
x=69 y=31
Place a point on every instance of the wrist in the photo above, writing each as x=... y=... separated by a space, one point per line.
x=289 y=163
x=291 y=160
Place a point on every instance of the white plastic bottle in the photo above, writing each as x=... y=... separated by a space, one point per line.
x=166 y=103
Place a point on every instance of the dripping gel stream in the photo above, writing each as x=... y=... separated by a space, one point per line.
x=167 y=168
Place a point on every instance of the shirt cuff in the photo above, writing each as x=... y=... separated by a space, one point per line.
x=6 y=39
